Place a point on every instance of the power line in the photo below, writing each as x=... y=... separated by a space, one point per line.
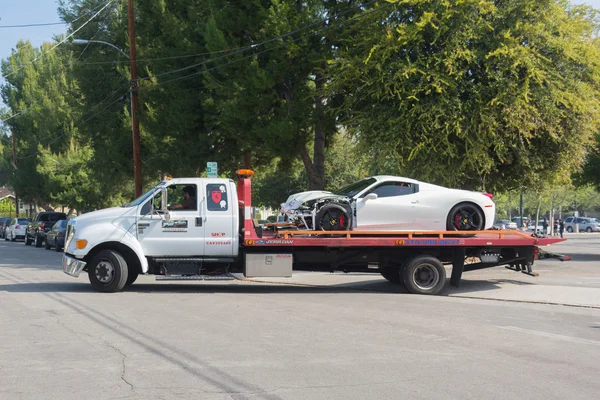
x=62 y=41
x=253 y=46
x=32 y=25
x=362 y=15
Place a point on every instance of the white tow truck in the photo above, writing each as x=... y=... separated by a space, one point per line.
x=214 y=237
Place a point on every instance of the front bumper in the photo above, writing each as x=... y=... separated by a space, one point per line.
x=72 y=266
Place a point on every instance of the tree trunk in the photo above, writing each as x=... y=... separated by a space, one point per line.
x=313 y=179
x=247 y=160
x=319 y=127
x=537 y=217
x=71 y=210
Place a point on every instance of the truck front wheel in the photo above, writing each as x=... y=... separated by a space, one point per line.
x=108 y=271
x=424 y=275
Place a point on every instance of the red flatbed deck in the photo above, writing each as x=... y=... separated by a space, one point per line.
x=398 y=239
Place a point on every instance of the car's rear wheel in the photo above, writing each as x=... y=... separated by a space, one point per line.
x=332 y=217
x=569 y=229
x=46 y=244
x=27 y=241
x=588 y=229
x=465 y=217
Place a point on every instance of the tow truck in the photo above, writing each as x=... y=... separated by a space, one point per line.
x=219 y=240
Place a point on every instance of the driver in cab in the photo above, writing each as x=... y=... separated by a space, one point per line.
x=189 y=200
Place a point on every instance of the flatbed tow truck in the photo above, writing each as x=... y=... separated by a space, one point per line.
x=219 y=238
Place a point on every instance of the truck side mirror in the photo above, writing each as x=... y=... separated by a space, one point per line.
x=165 y=210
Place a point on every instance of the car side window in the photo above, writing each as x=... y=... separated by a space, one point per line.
x=393 y=189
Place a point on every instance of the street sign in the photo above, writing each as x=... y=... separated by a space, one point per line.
x=211 y=169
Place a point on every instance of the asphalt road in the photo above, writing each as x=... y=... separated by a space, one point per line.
x=242 y=340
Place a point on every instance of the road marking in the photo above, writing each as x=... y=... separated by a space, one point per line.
x=551 y=335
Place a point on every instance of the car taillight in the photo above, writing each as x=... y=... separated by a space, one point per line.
x=489 y=195
x=42 y=226
x=17 y=227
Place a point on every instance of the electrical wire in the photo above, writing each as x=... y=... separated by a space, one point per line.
x=253 y=46
x=362 y=15
x=62 y=41
x=32 y=25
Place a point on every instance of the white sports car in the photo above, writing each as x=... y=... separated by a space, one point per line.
x=390 y=203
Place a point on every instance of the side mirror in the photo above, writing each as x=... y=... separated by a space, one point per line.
x=370 y=196
x=165 y=209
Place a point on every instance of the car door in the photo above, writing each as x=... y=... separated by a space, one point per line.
x=393 y=209
x=180 y=235
x=219 y=218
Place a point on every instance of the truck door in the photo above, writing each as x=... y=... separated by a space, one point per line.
x=218 y=218
x=183 y=234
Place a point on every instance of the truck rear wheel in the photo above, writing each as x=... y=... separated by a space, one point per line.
x=424 y=275
x=38 y=240
x=27 y=241
x=108 y=271
x=392 y=275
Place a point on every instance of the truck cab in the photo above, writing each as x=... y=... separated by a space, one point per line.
x=176 y=228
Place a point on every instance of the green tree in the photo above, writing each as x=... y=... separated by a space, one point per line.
x=474 y=94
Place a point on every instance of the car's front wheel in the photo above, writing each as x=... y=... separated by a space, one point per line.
x=332 y=217
x=465 y=217
x=569 y=229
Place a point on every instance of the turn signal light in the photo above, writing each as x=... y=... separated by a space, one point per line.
x=81 y=243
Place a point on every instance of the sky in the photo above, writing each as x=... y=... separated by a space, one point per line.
x=18 y=12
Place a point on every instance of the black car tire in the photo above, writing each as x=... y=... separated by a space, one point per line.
x=38 y=240
x=46 y=244
x=57 y=248
x=473 y=218
x=27 y=240
x=12 y=238
x=333 y=217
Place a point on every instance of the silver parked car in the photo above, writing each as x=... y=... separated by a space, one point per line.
x=584 y=224
x=505 y=224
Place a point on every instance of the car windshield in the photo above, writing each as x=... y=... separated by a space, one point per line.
x=23 y=221
x=355 y=188
x=140 y=199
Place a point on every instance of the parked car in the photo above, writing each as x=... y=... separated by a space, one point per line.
x=391 y=203
x=4 y=223
x=42 y=223
x=505 y=224
x=517 y=221
x=585 y=224
x=16 y=229
x=56 y=236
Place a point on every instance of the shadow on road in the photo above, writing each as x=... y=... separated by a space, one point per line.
x=471 y=285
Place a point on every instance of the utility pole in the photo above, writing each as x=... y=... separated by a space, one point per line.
x=135 y=124
x=14 y=160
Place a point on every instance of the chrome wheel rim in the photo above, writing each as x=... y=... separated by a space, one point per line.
x=426 y=276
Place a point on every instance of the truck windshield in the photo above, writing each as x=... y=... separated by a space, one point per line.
x=355 y=188
x=140 y=199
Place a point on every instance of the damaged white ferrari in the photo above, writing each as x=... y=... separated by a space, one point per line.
x=391 y=203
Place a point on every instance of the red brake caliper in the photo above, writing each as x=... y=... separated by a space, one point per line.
x=457 y=219
x=342 y=221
